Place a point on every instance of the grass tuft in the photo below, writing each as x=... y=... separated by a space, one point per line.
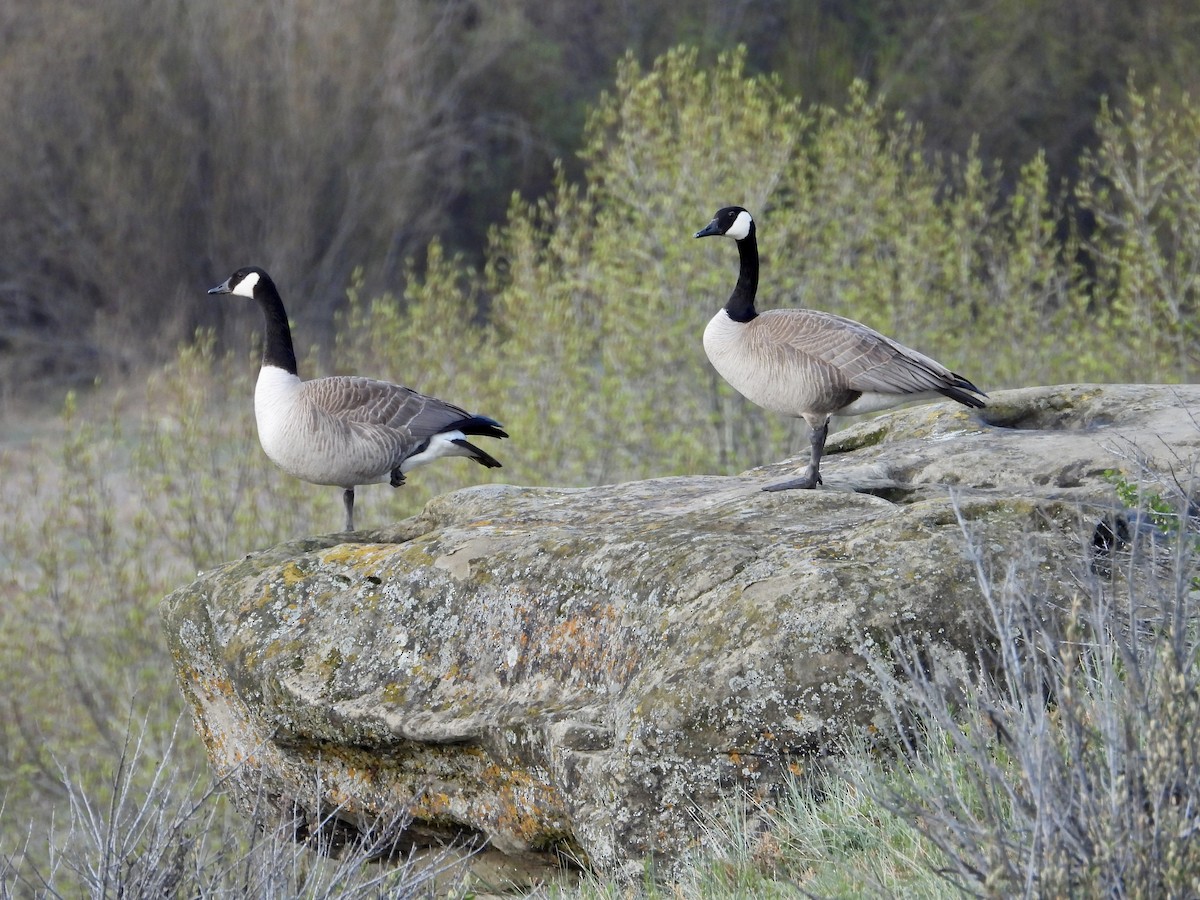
x=1062 y=758
x=176 y=836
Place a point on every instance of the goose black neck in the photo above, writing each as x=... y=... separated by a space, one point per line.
x=277 y=342
x=740 y=307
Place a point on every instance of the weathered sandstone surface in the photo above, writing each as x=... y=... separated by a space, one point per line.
x=579 y=671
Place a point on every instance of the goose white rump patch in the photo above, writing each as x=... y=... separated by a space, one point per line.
x=439 y=445
x=872 y=401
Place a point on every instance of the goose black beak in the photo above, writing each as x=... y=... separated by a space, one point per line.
x=710 y=229
x=222 y=288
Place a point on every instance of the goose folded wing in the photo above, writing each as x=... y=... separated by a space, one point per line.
x=367 y=402
x=858 y=356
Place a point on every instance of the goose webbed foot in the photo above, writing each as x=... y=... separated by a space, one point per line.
x=807 y=481
x=397 y=477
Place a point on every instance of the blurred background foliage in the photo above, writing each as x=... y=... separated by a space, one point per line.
x=149 y=147
x=494 y=204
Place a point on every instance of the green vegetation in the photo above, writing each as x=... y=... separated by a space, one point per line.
x=830 y=835
x=1064 y=758
x=599 y=291
x=580 y=331
x=151 y=147
x=1158 y=510
x=163 y=836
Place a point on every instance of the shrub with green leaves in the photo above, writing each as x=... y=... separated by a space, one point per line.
x=582 y=330
x=1144 y=186
x=1063 y=759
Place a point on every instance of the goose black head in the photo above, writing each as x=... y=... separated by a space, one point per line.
x=731 y=221
x=243 y=282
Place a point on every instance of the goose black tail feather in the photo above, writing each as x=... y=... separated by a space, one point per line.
x=480 y=425
x=484 y=459
x=965 y=393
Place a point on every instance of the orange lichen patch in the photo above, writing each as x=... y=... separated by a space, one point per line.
x=568 y=631
x=367 y=776
x=209 y=687
x=462 y=786
x=525 y=804
x=590 y=630
x=499 y=799
x=435 y=804
x=344 y=800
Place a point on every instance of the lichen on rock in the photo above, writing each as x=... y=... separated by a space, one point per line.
x=577 y=671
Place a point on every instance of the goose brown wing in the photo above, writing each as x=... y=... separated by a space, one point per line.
x=365 y=401
x=388 y=422
x=852 y=354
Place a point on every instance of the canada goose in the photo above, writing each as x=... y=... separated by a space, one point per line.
x=810 y=364
x=346 y=430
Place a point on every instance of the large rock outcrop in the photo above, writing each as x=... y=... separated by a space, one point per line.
x=579 y=670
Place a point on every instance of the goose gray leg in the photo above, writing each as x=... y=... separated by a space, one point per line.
x=812 y=475
x=397 y=477
x=348 y=499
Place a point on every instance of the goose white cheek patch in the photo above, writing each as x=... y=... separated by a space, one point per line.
x=245 y=287
x=740 y=227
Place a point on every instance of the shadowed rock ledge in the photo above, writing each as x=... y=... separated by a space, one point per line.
x=573 y=673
